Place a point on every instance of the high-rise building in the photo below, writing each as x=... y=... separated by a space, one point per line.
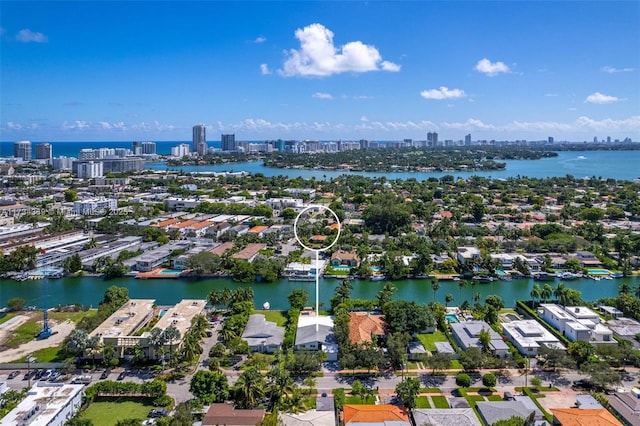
x=467 y=139
x=136 y=147
x=432 y=139
x=228 y=143
x=199 y=138
x=89 y=169
x=550 y=139
x=180 y=150
x=44 y=151
x=148 y=147
x=22 y=149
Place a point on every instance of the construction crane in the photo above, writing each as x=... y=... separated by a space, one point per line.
x=46 y=331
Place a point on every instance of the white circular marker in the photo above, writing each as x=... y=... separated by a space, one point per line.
x=317 y=250
x=318 y=207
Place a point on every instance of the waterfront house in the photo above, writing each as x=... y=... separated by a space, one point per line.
x=345 y=258
x=363 y=326
x=250 y=252
x=467 y=335
x=468 y=253
x=577 y=323
x=263 y=336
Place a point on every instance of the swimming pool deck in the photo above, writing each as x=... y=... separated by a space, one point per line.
x=161 y=273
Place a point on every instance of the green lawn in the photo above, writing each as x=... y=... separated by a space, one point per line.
x=430 y=390
x=7 y=317
x=455 y=364
x=73 y=316
x=45 y=355
x=358 y=400
x=23 y=334
x=440 y=401
x=274 y=316
x=429 y=340
x=494 y=398
x=107 y=413
x=474 y=399
x=422 y=402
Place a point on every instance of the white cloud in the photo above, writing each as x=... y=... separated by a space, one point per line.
x=600 y=98
x=443 y=93
x=470 y=124
x=364 y=118
x=320 y=95
x=319 y=57
x=260 y=39
x=551 y=95
x=485 y=66
x=264 y=69
x=613 y=70
x=27 y=36
x=13 y=126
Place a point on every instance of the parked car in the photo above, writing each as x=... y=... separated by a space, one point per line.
x=158 y=412
x=105 y=374
x=54 y=376
x=583 y=384
x=122 y=375
x=14 y=374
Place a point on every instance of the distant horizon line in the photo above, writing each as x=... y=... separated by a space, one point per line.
x=321 y=140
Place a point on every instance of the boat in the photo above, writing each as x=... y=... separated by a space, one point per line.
x=378 y=278
x=569 y=276
x=301 y=278
x=266 y=306
x=544 y=276
x=484 y=279
x=617 y=275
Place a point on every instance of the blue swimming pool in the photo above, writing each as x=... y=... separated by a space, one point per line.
x=452 y=318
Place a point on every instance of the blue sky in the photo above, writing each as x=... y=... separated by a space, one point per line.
x=380 y=70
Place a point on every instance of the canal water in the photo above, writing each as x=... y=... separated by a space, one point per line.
x=89 y=290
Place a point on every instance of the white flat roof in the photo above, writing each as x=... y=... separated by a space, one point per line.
x=125 y=320
x=305 y=320
x=49 y=398
x=181 y=314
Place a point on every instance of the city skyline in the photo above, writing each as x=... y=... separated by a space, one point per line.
x=320 y=70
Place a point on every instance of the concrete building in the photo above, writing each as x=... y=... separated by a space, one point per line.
x=180 y=150
x=577 y=323
x=467 y=335
x=467 y=253
x=226 y=414
x=199 y=140
x=22 y=149
x=180 y=317
x=494 y=411
x=529 y=335
x=89 y=169
x=148 y=148
x=63 y=163
x=123 y=165
x=445 y=417
x=263 y=336
x=155 y=258
x=310 y=339
x=93 y=206
x=228 y=142
x=46 y=404
x=44 y=151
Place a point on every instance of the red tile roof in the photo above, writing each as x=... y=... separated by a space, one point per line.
x=374 y=414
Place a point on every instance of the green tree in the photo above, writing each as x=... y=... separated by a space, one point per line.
x=489 y=380
x=472 y=359
x=397 y=344
x=70 y=196
x=384 y=296
x=407 y=316
x=298 y=298
x=249 y=389
x=448 y=298
x=183 y=415
x=580 y=351
x=407 y=391
x=209 y=387
x=484 y=336
x=16 y=303
x=463 y=380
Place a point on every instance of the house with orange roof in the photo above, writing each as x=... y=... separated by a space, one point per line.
x=250 y=252
x=200 y=228
x=346 y=258
x=363 y=326
x=383 y=415
x=258 y=230
x=222 y=248
x=165 y=223
x=182 y=226
x=584 y=417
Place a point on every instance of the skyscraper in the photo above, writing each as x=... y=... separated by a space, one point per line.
x=550 y=139
x=44 y=151
x=136 y=148
x=228 y=142
x=199 y=144
x=22 y=149
x=467 y=139
x=148 y=147
x=432 y=139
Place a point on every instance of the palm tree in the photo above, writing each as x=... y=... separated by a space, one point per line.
x=190 y=348
x=171 y=334
x=637 y=291
x=156 y=339
x=199 y=325
x=226 y=296
x=280 y=384
x=462 y=284
x=557 y=292
x=435 y=285
x=448 y=299
x=477 y=297
x=249 y=388
x=546 y=292
x=310 y=383
x=536 y=291
x=625 y=288
x=215 y=298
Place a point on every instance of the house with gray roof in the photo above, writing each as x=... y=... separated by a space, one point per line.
x=323 y=415
x=467 y=335
x=261 y=335
x=417 y=352
x=446 y=417
x=494 y=411
x=320 y=338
